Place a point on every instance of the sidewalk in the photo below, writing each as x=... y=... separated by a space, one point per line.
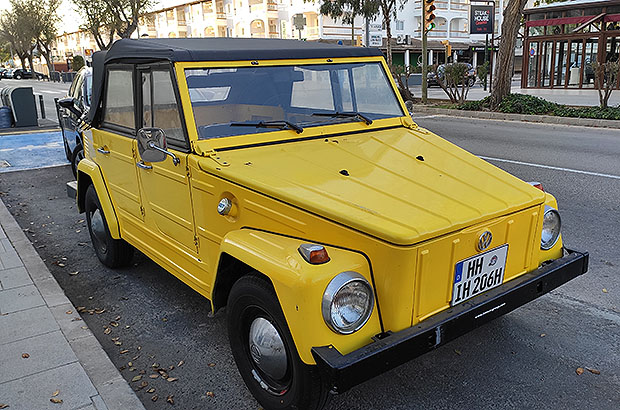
x=49 y=359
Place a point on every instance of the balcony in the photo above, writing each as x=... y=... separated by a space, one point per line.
x=459 y=34
x=459 y=5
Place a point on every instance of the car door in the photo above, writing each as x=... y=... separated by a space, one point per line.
x=115 y=148
x=165 y=185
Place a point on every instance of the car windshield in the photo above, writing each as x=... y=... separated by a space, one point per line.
x=304 y=96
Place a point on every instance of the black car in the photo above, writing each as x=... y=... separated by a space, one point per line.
x=8 y=73
x=80 y=93
x=431 y=78
x=20 y=73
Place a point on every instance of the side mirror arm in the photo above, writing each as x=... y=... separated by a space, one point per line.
x=175 y=160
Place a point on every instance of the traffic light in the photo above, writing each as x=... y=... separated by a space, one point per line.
x=429 y=16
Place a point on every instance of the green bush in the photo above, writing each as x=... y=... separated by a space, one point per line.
x=529 y=104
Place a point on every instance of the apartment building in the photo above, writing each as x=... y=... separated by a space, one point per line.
x=277 y=18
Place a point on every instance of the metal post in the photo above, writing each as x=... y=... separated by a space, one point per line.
x=486 y=59
x=367 y=32
x=424 y=57
x=42 y=106
x=492 y=50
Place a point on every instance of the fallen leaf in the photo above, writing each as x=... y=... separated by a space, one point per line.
x=25 y=355
x=210 y=394
x=99 y=311
x=118 y=343
x=144 y=384
x=76 y=319
x=543 y=334
x=84 y=327
x=604 y=290
x=169 y=399
x=457 y=352
x=171 y=368
x=81 y=221
x=142 y=372
x=114 y=324
x=3 y=406
x=127 y=326
x=68 y=312
x=136 y=378
x=56 y=400
x=154 y=376
x=579 y=371
x=62 y=265
x=117 y=318
x=74 y=273
x=180 y=363
x=593 y=371
x=130 y=364
x=172 y=379
x=163 y=319
x=211 y=364
x=123 y=368
x=154 y=398
x=151 y=390
x=155 y=365
x=80 y=308
x=56 y=393
x=124 y=351
x=107 y=331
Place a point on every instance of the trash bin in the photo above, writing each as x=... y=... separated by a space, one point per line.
x=6 y=119
x=21 y=102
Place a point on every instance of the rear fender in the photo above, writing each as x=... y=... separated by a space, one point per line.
x=89 y=173
x=300 y=286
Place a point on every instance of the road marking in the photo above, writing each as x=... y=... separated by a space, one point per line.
x=576 y=171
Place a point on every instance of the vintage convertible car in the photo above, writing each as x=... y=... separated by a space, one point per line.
x=286 y=181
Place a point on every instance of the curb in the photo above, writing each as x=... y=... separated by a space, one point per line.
x=113 y=389
x=545 y=119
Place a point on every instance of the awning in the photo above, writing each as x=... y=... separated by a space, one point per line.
x=558 y=21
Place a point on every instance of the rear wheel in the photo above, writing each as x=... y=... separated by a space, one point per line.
x=18 y=77
x=264 y=350
x=472 y=81
x=76 y=157
x=113 y=253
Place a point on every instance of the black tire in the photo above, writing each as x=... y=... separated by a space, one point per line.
x=253 y=297
x=113 y=253
x=18 y=77
x=472 y=81
x=76 y=157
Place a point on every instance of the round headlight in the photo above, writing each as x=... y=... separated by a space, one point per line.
x=551 y=228
x=347 y=302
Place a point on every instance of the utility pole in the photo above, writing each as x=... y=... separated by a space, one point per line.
x=427 y=25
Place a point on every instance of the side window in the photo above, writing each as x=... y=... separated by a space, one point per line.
x=159 y=105
x=119 y=99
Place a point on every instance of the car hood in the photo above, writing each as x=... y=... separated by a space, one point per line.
x=399 y=185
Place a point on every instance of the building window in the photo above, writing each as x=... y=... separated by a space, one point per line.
x=400 y=25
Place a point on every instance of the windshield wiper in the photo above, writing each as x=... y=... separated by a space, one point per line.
x=348 y=114
x=279 y=124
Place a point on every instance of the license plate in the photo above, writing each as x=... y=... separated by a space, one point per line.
x=478 y=274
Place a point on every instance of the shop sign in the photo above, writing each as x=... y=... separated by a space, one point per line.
x=376 y=40
x=481 y=19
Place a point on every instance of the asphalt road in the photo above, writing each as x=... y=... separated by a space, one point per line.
x=49 y=90
x=526 y=359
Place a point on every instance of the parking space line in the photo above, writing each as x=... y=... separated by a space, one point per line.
x=576 y=171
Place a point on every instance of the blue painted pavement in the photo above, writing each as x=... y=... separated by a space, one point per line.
x=29 y=151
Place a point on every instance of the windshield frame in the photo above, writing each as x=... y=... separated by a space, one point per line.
x=253 y=137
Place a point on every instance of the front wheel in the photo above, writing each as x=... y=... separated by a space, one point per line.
x=113 y=253
x=18 y=77
x=264 y=350
x=472 y=81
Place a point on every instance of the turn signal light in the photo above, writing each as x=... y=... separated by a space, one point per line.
x=537 y=185
x=314 y=254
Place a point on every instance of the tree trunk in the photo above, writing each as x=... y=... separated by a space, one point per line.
x=503 y=67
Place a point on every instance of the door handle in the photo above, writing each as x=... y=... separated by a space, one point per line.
x=103 y=151
x=142 y=165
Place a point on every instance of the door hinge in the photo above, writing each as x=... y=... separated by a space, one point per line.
x=196 y=243
x=142 y=210
x=187 y=170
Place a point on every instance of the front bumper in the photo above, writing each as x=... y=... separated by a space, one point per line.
x=394 y=349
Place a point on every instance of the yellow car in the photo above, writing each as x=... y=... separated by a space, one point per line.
x=287 y=182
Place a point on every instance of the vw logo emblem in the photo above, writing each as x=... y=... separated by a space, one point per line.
x=484 y=241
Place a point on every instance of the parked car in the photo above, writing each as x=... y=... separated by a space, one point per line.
x=8 y=73
x=286 y=181
x=80 y=93
x=432 y=77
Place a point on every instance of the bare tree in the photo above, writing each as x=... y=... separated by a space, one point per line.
x=454 y=79
x=505 y=59
x=606 y=79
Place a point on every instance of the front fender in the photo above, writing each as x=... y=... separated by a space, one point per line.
x=89 y=172
x=300 y=286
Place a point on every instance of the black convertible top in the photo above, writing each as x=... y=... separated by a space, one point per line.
x=146 y=50
x=228 y=49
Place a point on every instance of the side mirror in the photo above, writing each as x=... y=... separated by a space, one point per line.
x=409 y=105
x=69 y=104
x=152 y=145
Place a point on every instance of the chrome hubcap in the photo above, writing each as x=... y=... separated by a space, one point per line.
x=98 y=229
x=267 y=349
